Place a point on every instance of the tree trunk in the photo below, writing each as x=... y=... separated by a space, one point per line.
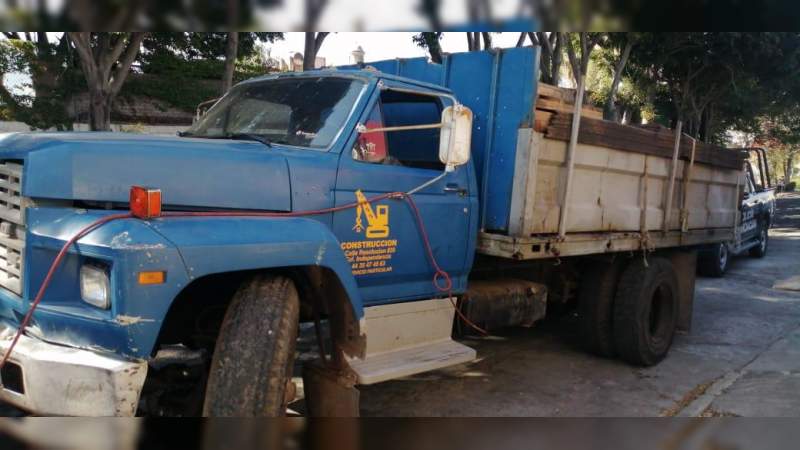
x=610 y=109
x=546 y=52
x=434 y=46
x=308 y=52
x=105 y=68
x=521 y=40
x=473 y=41
x=557 y=57
x=487 y=40
x=231 y=51
x=99 y=110
x=312 y=45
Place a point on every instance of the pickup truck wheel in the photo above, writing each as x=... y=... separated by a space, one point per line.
x=254 y=353
x=714 y=262
x=646 y=312
x=760 y=250
x=596 y=307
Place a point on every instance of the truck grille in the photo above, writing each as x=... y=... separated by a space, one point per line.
x=12 y=226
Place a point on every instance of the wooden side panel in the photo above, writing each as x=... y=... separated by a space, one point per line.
x=615 y=190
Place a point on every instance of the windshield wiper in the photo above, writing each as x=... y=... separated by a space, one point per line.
x=241 y=136
x=249 y=137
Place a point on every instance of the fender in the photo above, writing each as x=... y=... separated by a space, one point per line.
x=213 y=245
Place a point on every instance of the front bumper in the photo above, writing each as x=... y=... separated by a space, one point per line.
x=49 y=379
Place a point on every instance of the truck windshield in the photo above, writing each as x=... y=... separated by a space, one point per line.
x=305 y=112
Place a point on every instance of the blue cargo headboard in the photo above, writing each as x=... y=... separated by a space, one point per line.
x=499 y=86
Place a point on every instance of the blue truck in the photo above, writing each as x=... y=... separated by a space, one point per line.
x=389 y=204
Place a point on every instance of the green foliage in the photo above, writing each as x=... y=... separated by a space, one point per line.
x=181 y=69
x=54 y=77
x=430 y=42
x=184 y=69
x=184 y=84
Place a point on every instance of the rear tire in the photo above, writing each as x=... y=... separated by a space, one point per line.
x=596 y=307
x=714 y=262
x=254 y=354
x=646 y=312
x=760 y=250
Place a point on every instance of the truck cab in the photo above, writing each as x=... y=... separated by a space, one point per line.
x=275 y=145
x=757 y=210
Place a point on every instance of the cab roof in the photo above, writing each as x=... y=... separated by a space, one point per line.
x=367 y=74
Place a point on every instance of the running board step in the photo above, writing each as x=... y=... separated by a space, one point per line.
x=408 y=338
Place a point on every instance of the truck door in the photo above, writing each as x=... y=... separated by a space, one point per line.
x=748 y=229
x=382 y=241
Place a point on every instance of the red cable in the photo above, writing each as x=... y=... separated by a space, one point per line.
x=439 y=274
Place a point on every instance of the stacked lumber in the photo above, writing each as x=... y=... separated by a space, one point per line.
x=553 y=99
x=657 y=141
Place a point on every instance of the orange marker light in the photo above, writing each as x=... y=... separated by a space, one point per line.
x=152 y=277
x=145 y=202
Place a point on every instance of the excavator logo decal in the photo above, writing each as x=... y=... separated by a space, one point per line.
x=374 y=254
x=377 y=220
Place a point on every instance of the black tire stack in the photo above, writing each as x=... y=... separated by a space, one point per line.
x=629 y=309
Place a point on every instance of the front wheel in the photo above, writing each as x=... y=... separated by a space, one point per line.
x=646 y=311
x=254 y=354
x=760 y=250
x=714 y=262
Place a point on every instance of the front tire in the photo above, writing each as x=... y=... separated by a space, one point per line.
x=254 y=354
x=646 y=312
x=714 y=262
x=760 y=250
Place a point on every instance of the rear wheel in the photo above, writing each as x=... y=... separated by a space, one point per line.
x=714 y=262
x=254 y=354
x=646 y=311
x=596 y=307
x=760 y=250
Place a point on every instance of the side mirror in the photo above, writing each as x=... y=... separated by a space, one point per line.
x=456 y=136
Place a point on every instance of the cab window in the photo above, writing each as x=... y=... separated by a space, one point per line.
x=414 y=148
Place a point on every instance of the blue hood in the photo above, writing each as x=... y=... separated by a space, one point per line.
x=190 y=172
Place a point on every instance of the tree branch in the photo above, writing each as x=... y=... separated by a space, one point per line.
x=521 y=40
x=318 y=41
x=124 y=65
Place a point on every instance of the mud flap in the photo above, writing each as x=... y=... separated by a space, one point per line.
x=330 y=392
x=684 y=262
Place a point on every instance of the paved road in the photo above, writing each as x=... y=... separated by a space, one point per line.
x=742 y=358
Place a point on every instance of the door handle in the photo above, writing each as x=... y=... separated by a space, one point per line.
x=454 y=188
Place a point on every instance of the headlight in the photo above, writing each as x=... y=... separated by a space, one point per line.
x=95 y=285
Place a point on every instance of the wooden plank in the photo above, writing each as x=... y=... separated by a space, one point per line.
x=548 y=90
x=542 y=120
x=617 y=132
x=553 y=105
x=640 y=140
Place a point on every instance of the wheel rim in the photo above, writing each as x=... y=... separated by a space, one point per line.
x=723 y=256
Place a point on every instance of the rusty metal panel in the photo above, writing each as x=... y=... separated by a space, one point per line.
x=581 y=244
x=505 y=302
